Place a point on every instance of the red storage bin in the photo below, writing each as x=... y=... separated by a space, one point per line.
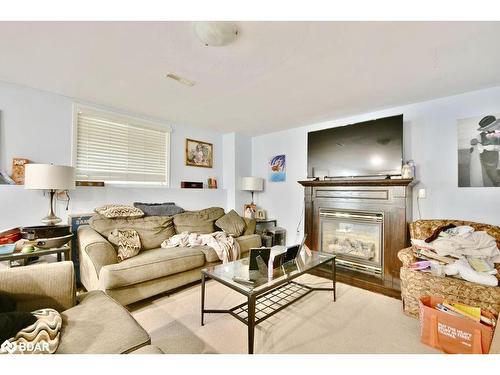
x=453 y=334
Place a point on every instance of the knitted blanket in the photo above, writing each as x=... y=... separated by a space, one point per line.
x=226 y=247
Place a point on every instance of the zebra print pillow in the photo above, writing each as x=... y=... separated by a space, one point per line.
x=129 y=243
x=42 y=337
x=112 y=211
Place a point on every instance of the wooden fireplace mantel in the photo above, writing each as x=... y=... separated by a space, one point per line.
x=390 y=197
x=359 y=182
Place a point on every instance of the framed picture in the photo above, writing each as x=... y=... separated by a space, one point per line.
x=277 y=168
x=479 y=151
x=249 y=211
x=260 y=214
x=199 y=154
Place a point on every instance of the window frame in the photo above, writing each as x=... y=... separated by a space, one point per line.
x=118 y=116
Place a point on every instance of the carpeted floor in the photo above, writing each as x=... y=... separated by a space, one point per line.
x=359 y=322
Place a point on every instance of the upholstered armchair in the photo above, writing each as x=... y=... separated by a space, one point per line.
x=415 y=284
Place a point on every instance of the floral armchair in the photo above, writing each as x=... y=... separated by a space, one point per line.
x=415 y=284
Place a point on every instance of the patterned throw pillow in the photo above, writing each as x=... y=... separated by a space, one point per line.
x=112 y=211
x=129 y=243
x=232 y=224
x=41 y=337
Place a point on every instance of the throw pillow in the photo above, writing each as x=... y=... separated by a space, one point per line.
x=201 y=222
x=7 y=303
x=112 y=211
x=12 y=322
x=232 y=224
x=129 y=243
x=41 y=336
x=159 y=209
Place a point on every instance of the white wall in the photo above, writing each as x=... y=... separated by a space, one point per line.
x=430 y=139
x=37 y=125
x=237 y=164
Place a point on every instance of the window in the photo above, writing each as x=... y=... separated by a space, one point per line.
x=114 y=148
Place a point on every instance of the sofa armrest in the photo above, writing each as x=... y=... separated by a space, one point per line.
x=98 y=249
x=248 y=242
x=49 y=285
x=406 y=256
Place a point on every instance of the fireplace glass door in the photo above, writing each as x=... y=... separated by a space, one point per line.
x=356 y=238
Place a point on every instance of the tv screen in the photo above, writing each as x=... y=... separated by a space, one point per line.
x=370 y=148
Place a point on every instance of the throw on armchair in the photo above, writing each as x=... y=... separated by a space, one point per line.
x=415 y=284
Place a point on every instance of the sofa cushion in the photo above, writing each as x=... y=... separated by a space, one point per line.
x=159 y=209
x=99 y=325
x=153 y=230
x=112 y=211
x=232 y=224
x=149 y=265
x=201 y=222
x=210 y=254
x=250 y=225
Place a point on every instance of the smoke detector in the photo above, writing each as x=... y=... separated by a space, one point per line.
x=216 y=33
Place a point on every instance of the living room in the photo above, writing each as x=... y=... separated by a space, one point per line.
x=249 y=185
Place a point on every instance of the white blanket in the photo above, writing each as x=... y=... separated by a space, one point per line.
x=475 y=244
x=226 y=247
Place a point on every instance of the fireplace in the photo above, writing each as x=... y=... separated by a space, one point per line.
x=355 y=237
x=364 y=222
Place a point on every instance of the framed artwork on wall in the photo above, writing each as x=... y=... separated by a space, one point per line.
x=478 y=151
x=277 y=168
x=199 y=154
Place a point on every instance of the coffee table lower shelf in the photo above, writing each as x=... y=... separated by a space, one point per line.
x=258 y=309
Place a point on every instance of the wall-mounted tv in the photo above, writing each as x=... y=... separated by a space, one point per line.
x=365 y=149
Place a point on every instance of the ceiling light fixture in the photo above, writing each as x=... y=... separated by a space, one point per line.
x=216 y=33
x=180 y=79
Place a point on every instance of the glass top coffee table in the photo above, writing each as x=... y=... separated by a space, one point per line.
x=266 y=296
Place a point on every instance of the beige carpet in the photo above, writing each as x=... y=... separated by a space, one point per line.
x=359 y=322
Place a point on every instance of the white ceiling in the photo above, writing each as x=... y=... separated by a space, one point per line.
x=276 y=75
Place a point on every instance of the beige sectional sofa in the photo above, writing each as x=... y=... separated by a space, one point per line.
x=154 y=270
x=92 y=324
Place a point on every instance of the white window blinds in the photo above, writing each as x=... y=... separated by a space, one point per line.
x=121 y=149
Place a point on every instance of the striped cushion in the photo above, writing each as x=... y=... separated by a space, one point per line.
x=129 y=244
x=42 y=337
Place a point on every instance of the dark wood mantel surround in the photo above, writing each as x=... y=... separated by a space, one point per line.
x=392 y=197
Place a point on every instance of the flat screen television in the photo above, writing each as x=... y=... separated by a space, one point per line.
x=366 y=149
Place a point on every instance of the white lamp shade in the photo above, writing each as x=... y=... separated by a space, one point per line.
x=49 y=177
x=252 y=183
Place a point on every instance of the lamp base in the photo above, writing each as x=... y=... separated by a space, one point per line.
x=51 y=220
x=51 y=217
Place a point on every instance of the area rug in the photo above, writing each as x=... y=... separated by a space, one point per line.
x=359 y=322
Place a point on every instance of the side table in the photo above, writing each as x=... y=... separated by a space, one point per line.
x=263 y=224
x=19 y=256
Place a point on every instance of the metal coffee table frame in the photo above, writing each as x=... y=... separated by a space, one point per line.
x=267 y=301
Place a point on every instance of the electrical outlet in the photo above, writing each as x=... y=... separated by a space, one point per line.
x=422 y=193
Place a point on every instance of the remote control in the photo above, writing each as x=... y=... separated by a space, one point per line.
x=242 y=280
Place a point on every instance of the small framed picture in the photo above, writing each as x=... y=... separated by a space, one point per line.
x=199 y=154
x=249 y=211
x=212 y=183
x=260 y=214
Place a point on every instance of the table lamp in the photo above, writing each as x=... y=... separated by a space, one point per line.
x=52 y=178
x=252 y=184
